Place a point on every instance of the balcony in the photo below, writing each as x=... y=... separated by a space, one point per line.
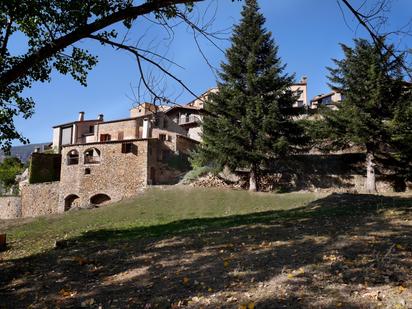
x=189 y=119
x=72 y=160
x=92 y=160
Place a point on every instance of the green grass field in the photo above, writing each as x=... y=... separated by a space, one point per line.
x=151 y=212
x=184 y=247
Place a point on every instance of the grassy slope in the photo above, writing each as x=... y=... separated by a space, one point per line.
x=155 y=208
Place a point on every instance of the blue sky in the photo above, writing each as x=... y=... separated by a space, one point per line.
x=308 y=34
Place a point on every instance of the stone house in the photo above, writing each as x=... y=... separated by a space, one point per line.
x=111 y=160
x=331 y=100
x=300 y=89
x=101 y=161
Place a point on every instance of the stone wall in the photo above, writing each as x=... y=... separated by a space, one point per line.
x=10 y=207
x=128 y=127
x=39 y=199
x=117 y=176
x=185 y=145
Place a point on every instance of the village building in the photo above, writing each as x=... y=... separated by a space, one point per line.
x=96 y=160
x=300 y=89
x=331 y=100
x=111 y=160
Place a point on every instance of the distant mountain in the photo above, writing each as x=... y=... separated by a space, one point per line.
x=23 y=152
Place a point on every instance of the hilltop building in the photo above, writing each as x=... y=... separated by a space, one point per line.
x=331 y=100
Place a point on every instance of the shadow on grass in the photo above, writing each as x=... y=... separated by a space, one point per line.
x=333 y=205
x=311 y=257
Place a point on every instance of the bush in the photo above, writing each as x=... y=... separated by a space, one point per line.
x=197 y=172
x=9 y=169
x=44 y=167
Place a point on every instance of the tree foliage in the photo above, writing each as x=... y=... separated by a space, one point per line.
x=51 y=30
x=401 y=135
x=373 y=86
x=9 y=169
x=248 y=122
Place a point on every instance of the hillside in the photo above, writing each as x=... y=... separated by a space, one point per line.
x=23 y=152
x=192 y=248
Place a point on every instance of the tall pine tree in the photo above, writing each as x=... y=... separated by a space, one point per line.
x=401 y=140
x=372 y=84
x=249 y=119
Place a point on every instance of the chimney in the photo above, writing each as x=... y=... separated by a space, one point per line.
x=146 y=128
x=304 y=80
x=81 y=116
x=100 y=118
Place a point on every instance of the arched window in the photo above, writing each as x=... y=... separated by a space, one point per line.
x=73 y=157
x=100 y=199
x=92 y=156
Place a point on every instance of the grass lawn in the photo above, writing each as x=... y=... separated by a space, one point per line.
x=153 y=209
x=209 y=248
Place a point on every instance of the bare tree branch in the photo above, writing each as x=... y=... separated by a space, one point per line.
x=140 y=57
x=363 y=20
x=48 y=50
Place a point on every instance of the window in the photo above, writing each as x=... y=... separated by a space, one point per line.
x=169 y=138
x=162 y=137
x=67 y=136
x=105 y=137
x=87 y=171
x=129 y=148
x=92 y=156
x=326 y=101
x=91 y=129
x=120 y=136
x=73 y=157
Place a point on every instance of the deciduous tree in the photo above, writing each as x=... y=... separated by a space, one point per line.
x=9 y=169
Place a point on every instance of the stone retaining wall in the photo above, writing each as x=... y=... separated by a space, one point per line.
x=10 y=207
x=39 y=199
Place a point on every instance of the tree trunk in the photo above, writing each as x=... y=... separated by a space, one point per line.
x=370 y=184
x=253 y=180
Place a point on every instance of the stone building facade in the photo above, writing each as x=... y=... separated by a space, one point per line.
x=116 y=170
x=106 y=161
x=39 y=199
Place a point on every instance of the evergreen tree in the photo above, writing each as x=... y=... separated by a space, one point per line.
x=372 y=84
x=249 y=119
x=401 y=139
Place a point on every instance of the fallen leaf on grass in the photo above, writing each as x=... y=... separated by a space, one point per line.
x=82 y=261
x=400 y=247
x=87 y=302
x=295 y=273
x=401 y=289
x=185 y=280
x=67 y=293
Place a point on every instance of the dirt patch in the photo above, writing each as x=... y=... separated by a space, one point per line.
x=349 y=251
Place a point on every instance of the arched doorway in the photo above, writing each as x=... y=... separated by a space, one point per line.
x=100 y=199
x=71 y=201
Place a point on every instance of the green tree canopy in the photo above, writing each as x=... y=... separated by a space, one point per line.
x=371 y=81
x=9 y=169
x=52 y=29
x=249 y=118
